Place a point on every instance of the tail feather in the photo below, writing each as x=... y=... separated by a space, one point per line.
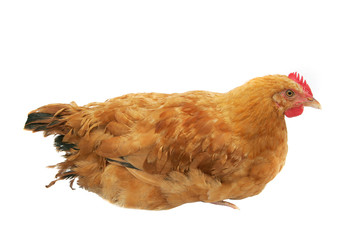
x=52 y=119
x=70 y=123
x=32 y=117
x=63 y=146
x=49 y=119
x=38 y=121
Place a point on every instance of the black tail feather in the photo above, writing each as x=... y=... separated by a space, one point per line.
x=33 y=117
x=36 y=126
x=63 y=146
x=37 y=121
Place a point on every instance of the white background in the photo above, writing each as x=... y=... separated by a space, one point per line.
x=84 y=51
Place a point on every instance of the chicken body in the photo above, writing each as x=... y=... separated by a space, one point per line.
x=159 y=151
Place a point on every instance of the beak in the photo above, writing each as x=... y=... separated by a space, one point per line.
x=311 y=102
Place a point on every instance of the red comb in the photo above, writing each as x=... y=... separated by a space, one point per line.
x=300 y=80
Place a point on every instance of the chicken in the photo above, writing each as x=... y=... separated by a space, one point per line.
x=159 y=151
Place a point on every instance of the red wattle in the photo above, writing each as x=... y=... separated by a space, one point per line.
x=294 y=112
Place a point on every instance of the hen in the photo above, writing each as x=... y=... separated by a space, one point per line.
x=159 y=151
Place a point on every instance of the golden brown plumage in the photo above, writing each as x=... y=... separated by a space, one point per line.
x=158 y=151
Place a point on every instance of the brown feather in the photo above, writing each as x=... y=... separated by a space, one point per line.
x=194 y=146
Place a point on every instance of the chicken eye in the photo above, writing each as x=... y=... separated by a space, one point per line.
x=290 y=93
